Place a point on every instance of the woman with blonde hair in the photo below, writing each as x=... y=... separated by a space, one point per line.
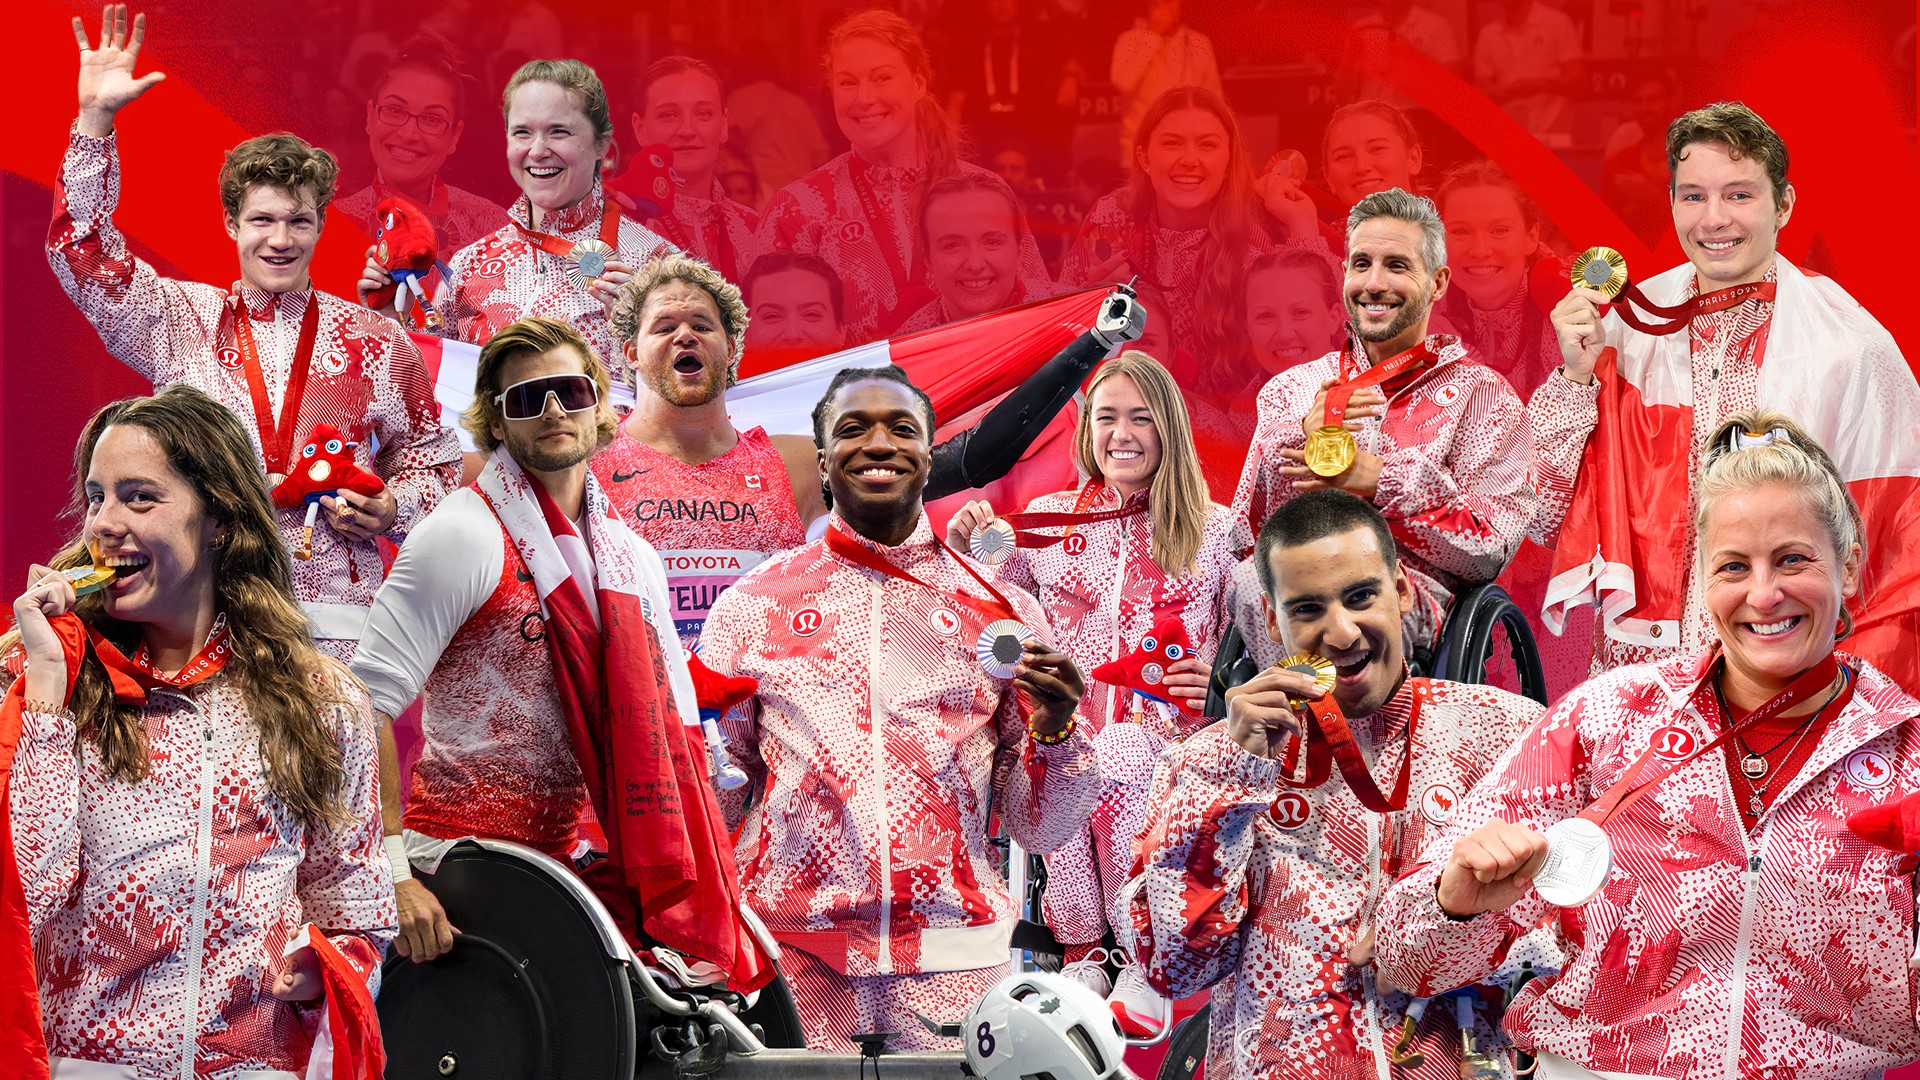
x=193 y=790
x=1721 y=918
x=1144 y=543
x=858 y=210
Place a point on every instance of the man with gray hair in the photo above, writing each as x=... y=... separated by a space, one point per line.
x=1404 y=419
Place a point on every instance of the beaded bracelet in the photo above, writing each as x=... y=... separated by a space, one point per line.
x=1055 y=738
x=65 y=713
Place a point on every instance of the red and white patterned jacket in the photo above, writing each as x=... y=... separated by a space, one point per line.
x=878 y=747
x=368 y=380
x=1259 y=890
x=503 y=276
x=721 y=232
x=161 y=909
x=1103 y=598
x=1711 y=953
x=459 y=216
x=1454 y=482
x=822 y=214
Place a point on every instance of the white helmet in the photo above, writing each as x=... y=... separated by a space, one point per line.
x=1033 y=1024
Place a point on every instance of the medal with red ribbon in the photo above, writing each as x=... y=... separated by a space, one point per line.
x=1328 y=740
x=1579 y=853
x=994 y=542
x=1000 y=643
x=584 y=260
x=1332 y=449
x=276 y=433
x=1605 y=270
x=909 y=290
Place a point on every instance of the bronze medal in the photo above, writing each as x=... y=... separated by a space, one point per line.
x=1331 y=451
x=1602 y=269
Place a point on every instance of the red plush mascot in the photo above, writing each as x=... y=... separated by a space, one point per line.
x=408 y=250
x=325 y=467
x=1143 y=670
x=716 y=694
x=646 y=187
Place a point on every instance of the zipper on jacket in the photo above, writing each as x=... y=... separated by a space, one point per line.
x=202 y=872
x=877 y=747
x=1743 y=954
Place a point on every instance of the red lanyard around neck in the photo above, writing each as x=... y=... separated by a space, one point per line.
x=276 y=433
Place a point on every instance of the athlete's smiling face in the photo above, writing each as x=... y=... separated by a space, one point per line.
x=878 y=452
x=1336 y=597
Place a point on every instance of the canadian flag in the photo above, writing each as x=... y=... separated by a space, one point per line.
x=964 y=367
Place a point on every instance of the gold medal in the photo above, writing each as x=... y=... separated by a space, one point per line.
x=1331 y=451
x=1601 y=269
x=588 y=260
x=88 y=579
x=1319 y=667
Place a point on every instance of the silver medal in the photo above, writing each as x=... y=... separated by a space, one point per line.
x=1000 y=645
x=1579 y=858
x=992 y=543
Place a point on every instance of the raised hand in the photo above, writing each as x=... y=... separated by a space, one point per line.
x=1491 y=868
x=1576 y=322
x=107 y=82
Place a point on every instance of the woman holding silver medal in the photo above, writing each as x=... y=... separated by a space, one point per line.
x=1721 y=919
x=567 y=249
x=1136 y=553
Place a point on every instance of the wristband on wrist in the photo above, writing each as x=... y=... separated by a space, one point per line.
x=1055 y=738
x=396 y=848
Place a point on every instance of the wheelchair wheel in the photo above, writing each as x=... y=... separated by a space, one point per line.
x=1187 y=1049
x=1469 y=650
x=536 y=985
x=1232 y=665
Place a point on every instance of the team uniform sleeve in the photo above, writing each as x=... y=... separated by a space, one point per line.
x=445 y=572
x=419 y=458
x=345 y=884
x=722 y=642
x=129 y=304
x=1465 y=513
x=44 y=801
x=1539 y=780
x=1192 y=891
x=1563 y=415
x=1263 y=488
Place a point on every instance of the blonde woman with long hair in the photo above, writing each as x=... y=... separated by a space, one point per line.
x=194 y=795
x=1152 y=545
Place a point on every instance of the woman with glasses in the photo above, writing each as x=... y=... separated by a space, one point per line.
x=414 y=122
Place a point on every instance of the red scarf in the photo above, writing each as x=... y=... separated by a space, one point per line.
x=644 y=773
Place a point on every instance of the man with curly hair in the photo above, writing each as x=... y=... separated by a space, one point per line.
x=716 y=501
x=278 y=352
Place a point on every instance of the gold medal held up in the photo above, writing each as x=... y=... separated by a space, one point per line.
x=1319 y=667
x=1331 y=450
x=588 y=260
x=1602 y=269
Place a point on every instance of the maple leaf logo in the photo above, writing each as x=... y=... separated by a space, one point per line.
x=1050 y=1005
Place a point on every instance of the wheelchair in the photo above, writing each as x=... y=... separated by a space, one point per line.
x=1467 y=648
x=1466 y=652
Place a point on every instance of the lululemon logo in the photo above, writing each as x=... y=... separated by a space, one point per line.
x=229 y=358
x=853 y=232
x=806 y=622
x=1290 y=810
x=1075 y=545
x=1672 y=743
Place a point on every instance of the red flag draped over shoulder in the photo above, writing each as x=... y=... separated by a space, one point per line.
x=629 y=711
x=1829 y=366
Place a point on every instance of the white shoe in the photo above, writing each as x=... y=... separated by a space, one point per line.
x=1090 y=971
x=1140 y=1010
